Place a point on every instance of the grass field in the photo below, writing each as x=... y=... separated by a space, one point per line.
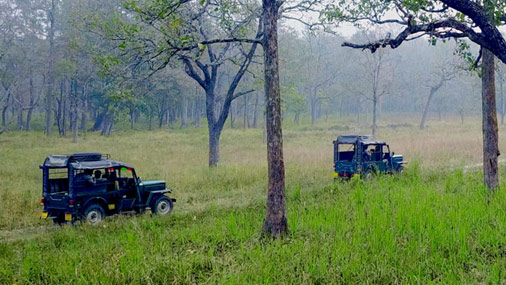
x=434 y=223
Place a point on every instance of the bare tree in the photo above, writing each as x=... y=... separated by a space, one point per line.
x=446 y=73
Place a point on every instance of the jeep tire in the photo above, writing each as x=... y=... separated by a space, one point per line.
x=94 y=214
x=370 y=173
x=162 y=206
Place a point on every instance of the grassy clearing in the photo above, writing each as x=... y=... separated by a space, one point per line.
x=427 y=225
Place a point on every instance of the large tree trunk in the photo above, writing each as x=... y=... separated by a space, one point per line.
x=489 y=117
x=214 y=146
x=275 y=222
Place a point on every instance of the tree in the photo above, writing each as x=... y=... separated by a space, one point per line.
x=441 y=19
x=446 y=72
x=187 y=36
x=275 y=222
x=294 y=101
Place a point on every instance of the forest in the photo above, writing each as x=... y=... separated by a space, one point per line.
x=235 y=104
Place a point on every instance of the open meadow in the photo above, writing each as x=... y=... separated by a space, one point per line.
x=434 y=223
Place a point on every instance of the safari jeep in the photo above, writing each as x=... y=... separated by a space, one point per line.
x=91 y=186
x=362 y=155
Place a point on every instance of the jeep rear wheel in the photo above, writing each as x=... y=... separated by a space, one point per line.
x=162 y=206
x=370 y=173
x=94 y=214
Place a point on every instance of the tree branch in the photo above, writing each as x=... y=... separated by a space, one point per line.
x=426 y=29
x=237 y=95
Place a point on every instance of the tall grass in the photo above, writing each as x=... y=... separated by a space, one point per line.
x=431 y=224
x=413 y=228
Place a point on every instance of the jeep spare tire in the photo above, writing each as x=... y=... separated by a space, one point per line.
x=94 y=214
x=162 y=206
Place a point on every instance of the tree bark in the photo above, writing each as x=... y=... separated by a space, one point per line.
x=275 y=222
x=489 y=120
x=214 y=147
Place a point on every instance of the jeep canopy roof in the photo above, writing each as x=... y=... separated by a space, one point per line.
x=91 y=160
x=352 y=139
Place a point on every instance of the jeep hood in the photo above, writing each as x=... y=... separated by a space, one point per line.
x=151 y=185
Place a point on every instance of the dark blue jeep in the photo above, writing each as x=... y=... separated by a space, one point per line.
x=91 y=186
x=359 y=154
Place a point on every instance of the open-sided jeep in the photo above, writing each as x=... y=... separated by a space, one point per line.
x=91 y=186
x=359 y=154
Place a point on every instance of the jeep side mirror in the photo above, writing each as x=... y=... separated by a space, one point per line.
x=393 y=153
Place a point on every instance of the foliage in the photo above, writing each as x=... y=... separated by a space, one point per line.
x=436 y=19
x=292 y=101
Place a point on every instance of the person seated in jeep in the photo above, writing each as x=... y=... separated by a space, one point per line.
x=367 y=153
x=86 y=177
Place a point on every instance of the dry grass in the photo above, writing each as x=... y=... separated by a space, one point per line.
x=180 y=158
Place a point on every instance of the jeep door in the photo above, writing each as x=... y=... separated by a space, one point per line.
x=128 y=188
x=373 y=158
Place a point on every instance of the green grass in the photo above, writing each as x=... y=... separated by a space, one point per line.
x=393 y=229
x=429 y=225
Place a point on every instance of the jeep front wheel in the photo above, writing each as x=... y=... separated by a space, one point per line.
x=94 y=214
x=162 y=206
